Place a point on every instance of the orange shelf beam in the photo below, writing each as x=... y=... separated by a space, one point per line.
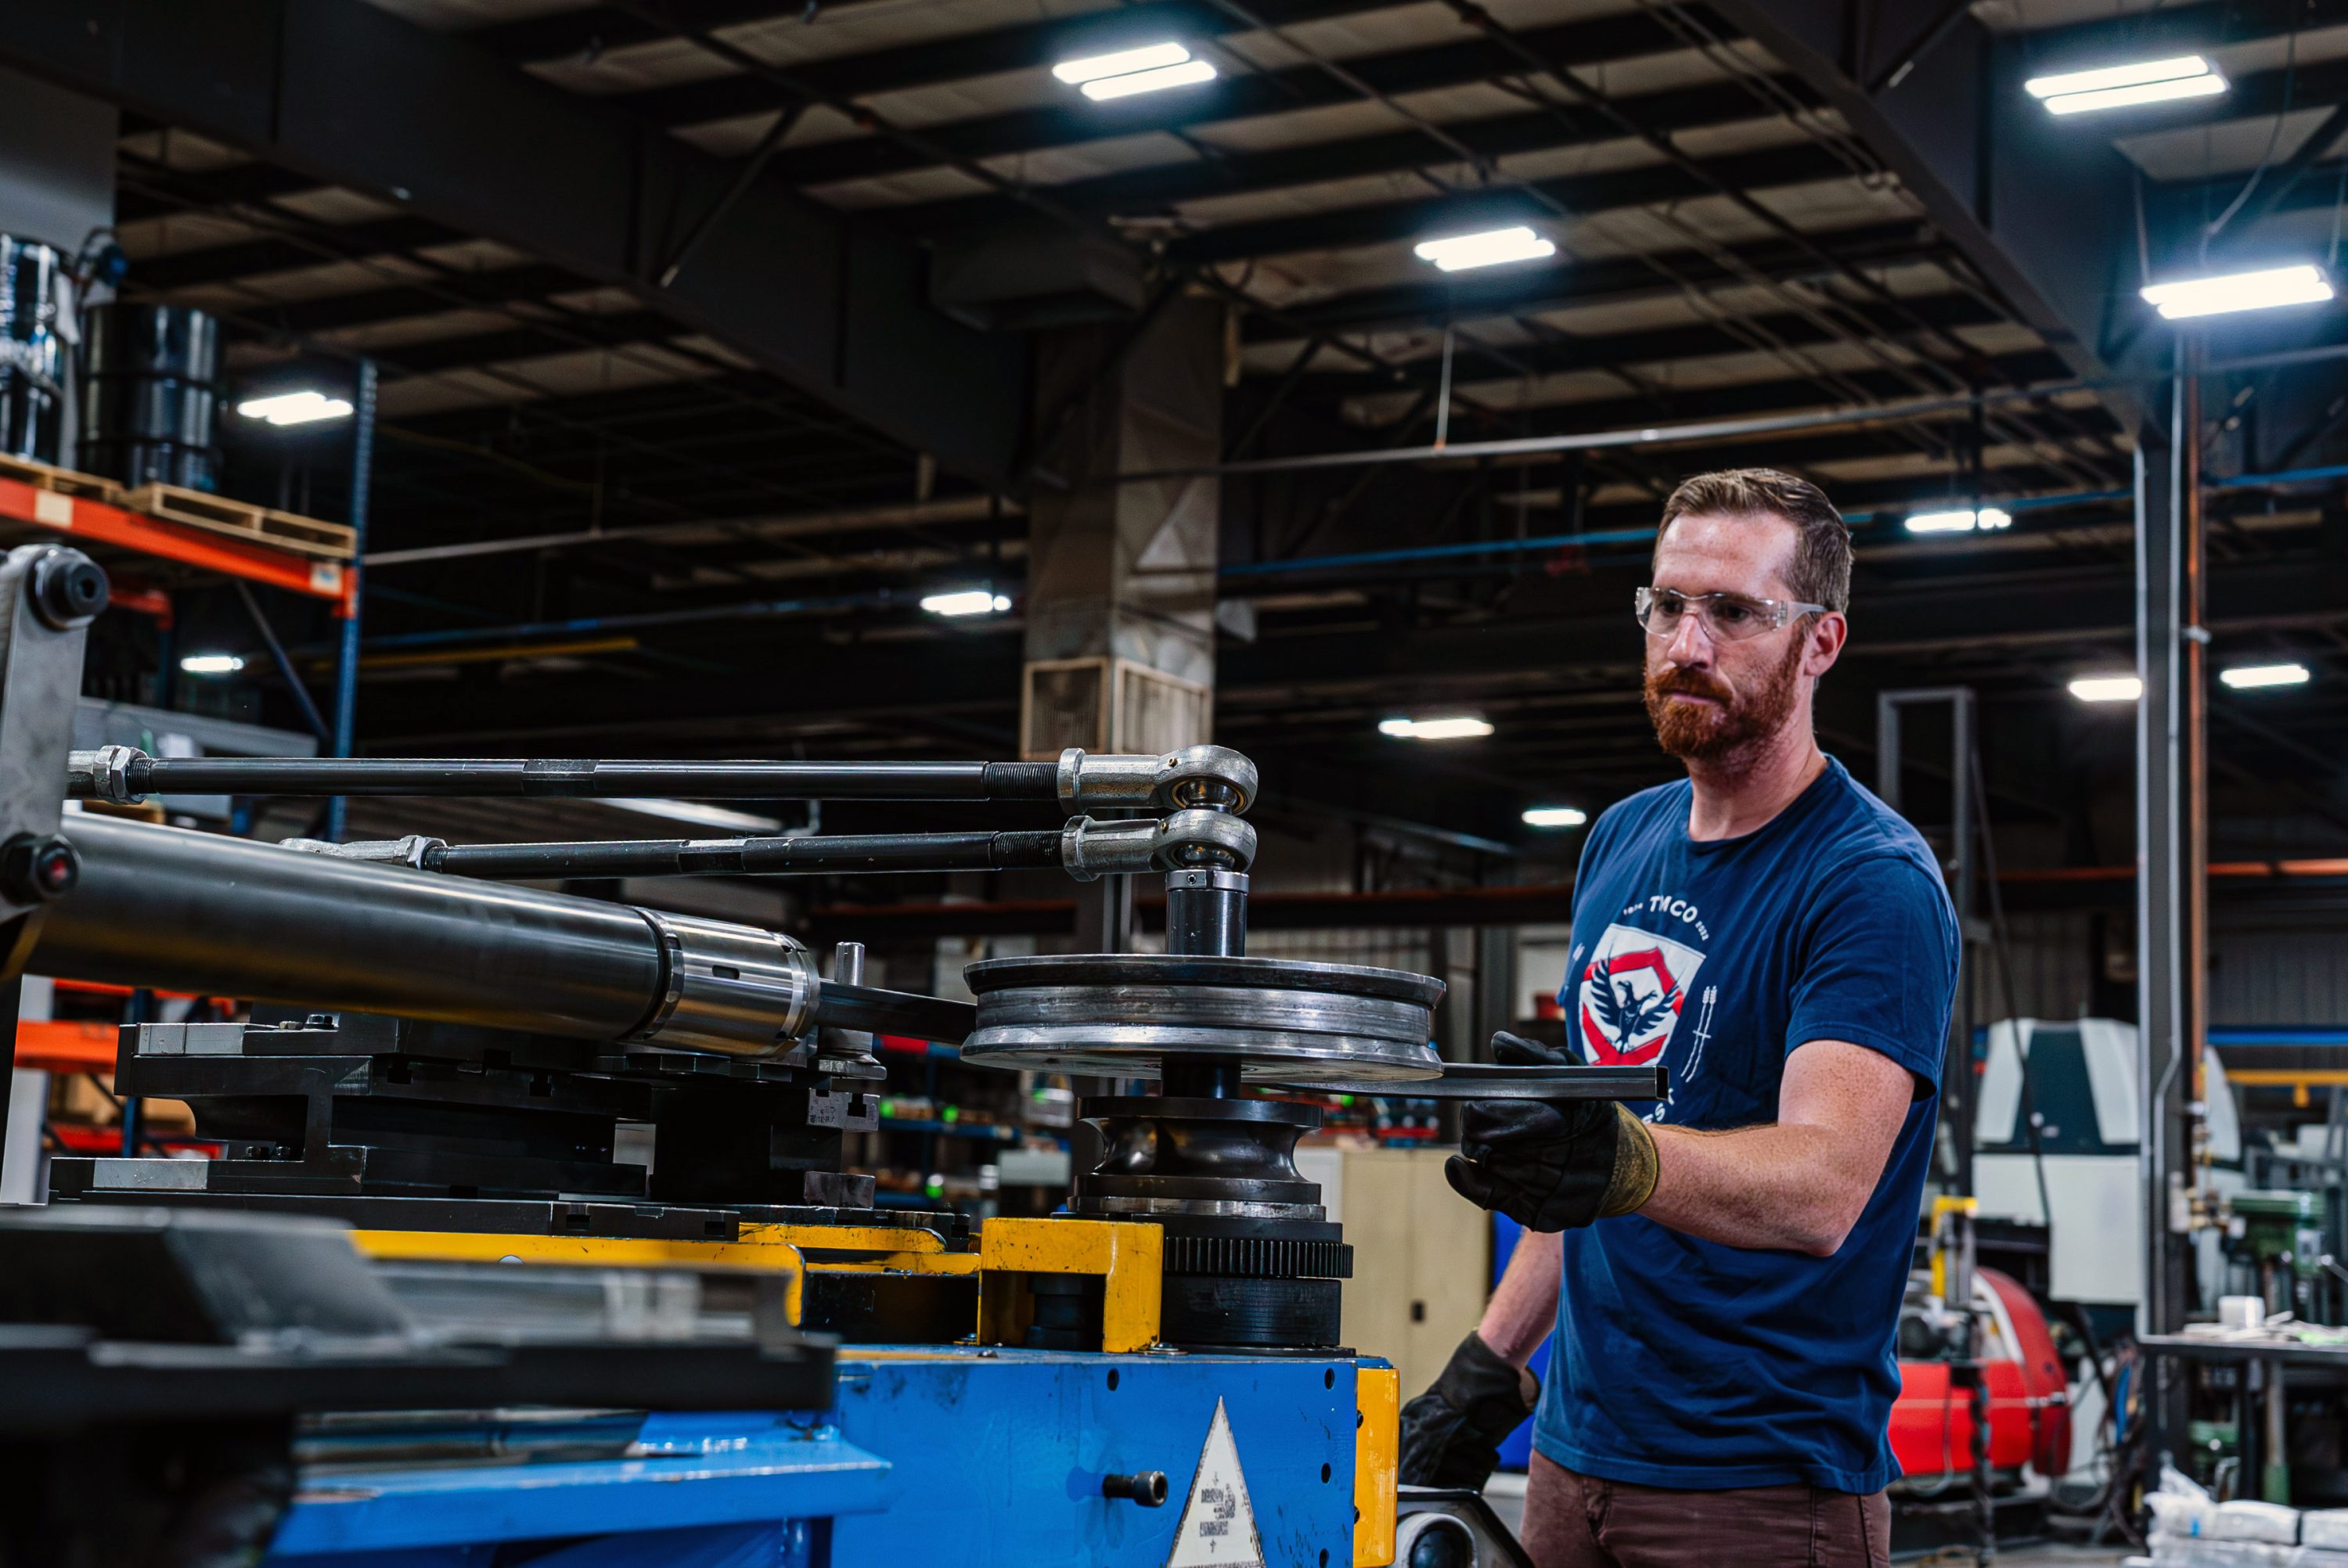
x=67 y=1045
x=113 y=526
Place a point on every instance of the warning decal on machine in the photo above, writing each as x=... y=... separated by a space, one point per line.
x=1217 y=1528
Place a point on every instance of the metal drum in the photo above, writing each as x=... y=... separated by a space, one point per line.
x=151 y=400
x=32 y=360
x=1280 y=1020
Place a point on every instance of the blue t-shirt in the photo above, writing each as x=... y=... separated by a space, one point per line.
x=1691 y=1364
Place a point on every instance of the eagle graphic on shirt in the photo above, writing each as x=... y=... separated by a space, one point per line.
x=1630 y=997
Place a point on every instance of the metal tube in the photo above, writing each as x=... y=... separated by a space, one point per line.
x=900 y=852
x=565 y=778
x=190 y=911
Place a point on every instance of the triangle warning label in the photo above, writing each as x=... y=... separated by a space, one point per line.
x=1217 y=1528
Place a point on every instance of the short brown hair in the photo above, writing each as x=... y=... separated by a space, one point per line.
x=1820 y=572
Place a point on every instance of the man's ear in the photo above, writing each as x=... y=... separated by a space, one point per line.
x=1824 y=642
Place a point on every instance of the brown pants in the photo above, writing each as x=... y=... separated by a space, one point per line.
x=1580 y=1521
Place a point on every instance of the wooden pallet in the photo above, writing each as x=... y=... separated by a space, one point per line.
x=257 y=524
x=63 y=481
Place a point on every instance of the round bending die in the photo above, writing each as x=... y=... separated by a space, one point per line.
x=1280 y=1020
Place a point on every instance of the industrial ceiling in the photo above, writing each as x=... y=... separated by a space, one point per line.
x=682 y=411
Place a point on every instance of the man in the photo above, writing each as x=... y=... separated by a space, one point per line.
x=1724 y=1276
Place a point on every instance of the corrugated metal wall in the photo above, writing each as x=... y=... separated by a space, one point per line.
x=2279 y=976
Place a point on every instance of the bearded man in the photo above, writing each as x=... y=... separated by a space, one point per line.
x=1724 y=1276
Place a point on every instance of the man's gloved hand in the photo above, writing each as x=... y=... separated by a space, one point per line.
x=1551 y=1167
x=1451 y=1434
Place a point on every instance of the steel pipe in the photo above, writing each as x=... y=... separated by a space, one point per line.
x=177 y=910
x=199 y=912
x=122 y=773
x=753 y=856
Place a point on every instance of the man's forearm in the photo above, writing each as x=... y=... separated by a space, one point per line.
x=1780 y=1186
x=1523 y=1308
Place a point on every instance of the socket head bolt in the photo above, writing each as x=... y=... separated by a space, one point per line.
x=38 y=868
x=68 y=590
x=1146 y=1487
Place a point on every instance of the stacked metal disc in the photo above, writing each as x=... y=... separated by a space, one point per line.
x=1251 y=1259
x=1279 y=1020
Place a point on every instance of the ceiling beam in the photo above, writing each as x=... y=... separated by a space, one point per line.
x=1584 y=195
x=241 y=258
x=444 y=292
x=351 y=95
x=1557 y=351
x=1235 y=95
x=2042 y=213
x=1156 y=189
x=2164 y=30
x=597 y=30
x=1599 y=283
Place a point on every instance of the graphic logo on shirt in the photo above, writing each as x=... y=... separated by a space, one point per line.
x=1631 y=995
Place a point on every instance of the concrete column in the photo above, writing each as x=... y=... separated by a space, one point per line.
x=1120 y=612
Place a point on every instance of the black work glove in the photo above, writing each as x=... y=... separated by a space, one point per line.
x=1451 y=1434
x=1551 y=1167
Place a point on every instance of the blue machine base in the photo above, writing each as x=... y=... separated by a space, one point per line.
x=950 y=1457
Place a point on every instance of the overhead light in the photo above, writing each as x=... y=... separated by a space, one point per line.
x=1452 y=727
x=1181 y=76
x=699 y=814
x=2229 y=292
x=2119 y=86
x=1989 y=519
x=1490 y=248
x=2251 y=677
x=1121 y=73
x=1123 y=62
x=966 y=601
x=1555 y=817
x=211 y=664
x=2107 y=688
x=305 y=407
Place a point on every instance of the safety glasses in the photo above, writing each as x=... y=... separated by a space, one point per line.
x=1726 y=617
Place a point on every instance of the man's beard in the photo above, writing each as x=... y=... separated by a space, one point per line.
x=1715 y=734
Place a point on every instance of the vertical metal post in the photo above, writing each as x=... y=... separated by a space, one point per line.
x=346 y=667
x=2169 y=857
x=12 y=997
x=1957 y=1083
x=1206 y=917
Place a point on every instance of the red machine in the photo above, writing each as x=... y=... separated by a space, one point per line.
x=2029 y=1395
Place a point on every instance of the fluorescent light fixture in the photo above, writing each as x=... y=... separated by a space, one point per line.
x=1452 y=727
x=2107 y=688
x=1491 y=248
x=966 y=601
x=1181 y=76
x=2229 y=292
x=2136 y=74
x=2251 y=677
x=1555 y=817
x=2149 y=93
x=1964 y=521
x=2119 y=86
x=294 y=408
x=698 y=814
x=211 y=664
x=1122 y=62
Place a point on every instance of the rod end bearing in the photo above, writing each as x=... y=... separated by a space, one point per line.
x=1205 y=778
